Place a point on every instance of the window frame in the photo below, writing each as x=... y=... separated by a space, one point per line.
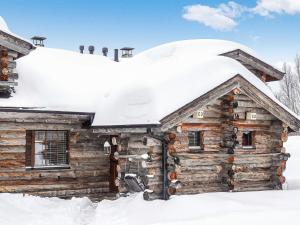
x=252 y=146
x=199 y=147
x=31 y=145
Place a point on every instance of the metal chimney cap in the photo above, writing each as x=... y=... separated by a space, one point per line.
x=104 y=51
x=127 y=48
x=40 y=38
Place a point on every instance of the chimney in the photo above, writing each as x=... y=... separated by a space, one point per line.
x=126 y=52
x=91 y=49
x=104 y=51
x=81 y=48
x=38 y=41
x=116 y=56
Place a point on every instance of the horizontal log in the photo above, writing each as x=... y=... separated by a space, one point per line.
x=199 y=177
x=12 y=149
x=45 y=181
x=52 y=187
x=252 y=176
x=200 y=188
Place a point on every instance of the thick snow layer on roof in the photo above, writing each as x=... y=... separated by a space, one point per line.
x=141 y=90
x=3 y=25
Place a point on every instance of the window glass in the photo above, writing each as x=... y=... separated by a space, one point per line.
x=50 y=148
x=247 y=139
x=194 y=139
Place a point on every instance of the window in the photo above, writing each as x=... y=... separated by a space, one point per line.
x=247 y=139
x=195 y=140
x=47 y=148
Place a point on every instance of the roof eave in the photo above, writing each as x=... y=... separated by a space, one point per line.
x=15 y=43
x=247 y=59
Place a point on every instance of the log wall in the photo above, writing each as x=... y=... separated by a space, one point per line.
x=213 y=168
x=88 y=172
x=222 y=164
x=8 y=75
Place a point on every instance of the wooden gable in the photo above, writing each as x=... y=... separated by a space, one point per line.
x=243 y=85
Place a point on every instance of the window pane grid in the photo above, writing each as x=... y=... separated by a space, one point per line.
x=194 y=138
x=51 y=148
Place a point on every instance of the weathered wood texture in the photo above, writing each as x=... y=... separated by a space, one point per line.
x=249 y=89
x=211 y=168
x=8 y=73
x=15 y=44
x=204 y=170
x=88 y=172
x=255 y=65
x=248 y=169
x=134 y=148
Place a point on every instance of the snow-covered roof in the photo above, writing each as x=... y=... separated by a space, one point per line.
x=4 y=27
x=140 y=90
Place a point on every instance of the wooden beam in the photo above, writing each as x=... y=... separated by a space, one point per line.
x=15 y=44
x=267 y=103
x=249 y=60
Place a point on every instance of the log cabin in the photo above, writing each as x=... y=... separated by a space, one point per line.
x=186 y=117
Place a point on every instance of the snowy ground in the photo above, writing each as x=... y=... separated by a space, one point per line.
x=266 y=207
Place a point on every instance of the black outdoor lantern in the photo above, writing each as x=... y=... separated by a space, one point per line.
x=38 y=40
x=127 y=52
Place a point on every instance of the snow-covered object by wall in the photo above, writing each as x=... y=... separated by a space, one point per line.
x=141 y=90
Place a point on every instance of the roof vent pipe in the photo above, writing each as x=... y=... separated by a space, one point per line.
x=116 y=55
x=104 y=51
x=91 y=49
x=81 y=48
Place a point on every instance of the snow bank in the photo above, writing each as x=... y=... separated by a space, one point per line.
x=247 y=208
x=141 y=90
x=269 y=208
x=15 y=209
x=292 y=172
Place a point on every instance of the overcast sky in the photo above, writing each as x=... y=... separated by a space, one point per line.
x=271 y=27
